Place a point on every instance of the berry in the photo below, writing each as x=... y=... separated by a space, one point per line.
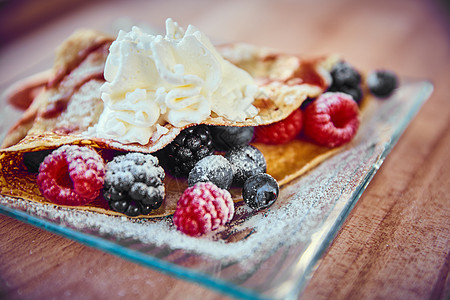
x=71 y=175
x=202 y=208
x=306 y=102
x=246 y=161
x=382 y=83
x=134 y=184
x=213 y=168
x=32 y=160
x=280 y=132
x=227 y=137
x=354 y=91
x=332 y=119
x=343 y=74
x=346 y=79
x=191 y=145
x=260 y=191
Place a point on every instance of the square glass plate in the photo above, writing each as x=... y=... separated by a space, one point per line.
x=270 y=254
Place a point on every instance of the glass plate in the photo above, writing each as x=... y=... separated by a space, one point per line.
x=270 y=254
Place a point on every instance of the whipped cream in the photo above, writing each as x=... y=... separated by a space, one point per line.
x=178 y=79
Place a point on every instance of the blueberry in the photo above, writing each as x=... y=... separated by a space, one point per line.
x=260 y=191
x=227 y=137
x=354 y=91
x=246 y=161
x=213 y=168
x=344 y=74
x=382 y=83
x=32 y=160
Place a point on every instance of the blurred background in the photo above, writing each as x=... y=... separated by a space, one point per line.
x=411 y=37
x=353 y=28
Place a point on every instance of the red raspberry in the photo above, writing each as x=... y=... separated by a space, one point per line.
x=202 y=208
x=71 y=175
x=332 y=119
x=280 y=132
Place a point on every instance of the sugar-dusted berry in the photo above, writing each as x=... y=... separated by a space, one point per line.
x=246 y=161
x=332 y=119
x=134 y=184
x=202 y=208
x=71 y=175
x=213 y=168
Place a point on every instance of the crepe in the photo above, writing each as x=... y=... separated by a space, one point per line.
x=69 y=104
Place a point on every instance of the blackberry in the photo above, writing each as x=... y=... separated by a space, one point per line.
x=382 y=83
x=246 y=161
x=213 y=168
x=260 y=191
x=226 y=137
x=191 y=145
x=134 y=184
x=346 y=79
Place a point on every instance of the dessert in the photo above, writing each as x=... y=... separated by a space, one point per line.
x=170 y=119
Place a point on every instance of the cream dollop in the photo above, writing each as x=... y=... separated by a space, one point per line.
x=179 y=78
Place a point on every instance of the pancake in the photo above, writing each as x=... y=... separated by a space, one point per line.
x=68 y=105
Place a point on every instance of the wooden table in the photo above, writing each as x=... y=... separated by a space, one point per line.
x=395 y=243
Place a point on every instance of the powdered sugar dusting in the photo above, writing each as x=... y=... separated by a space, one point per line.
x=306 y=211
x=301 y=207
x=84 y=108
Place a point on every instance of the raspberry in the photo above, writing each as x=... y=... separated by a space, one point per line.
x=134 y=184
x=202 y=208
x=332 y=119
x=71 y=175
x=280 y=132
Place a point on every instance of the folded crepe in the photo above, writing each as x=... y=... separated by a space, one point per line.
x=68 y=105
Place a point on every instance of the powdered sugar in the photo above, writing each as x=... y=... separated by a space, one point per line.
x=303 y=219
x=302 y=206
x=84 y=108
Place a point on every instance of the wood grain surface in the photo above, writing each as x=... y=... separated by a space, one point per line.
x=395 y=243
